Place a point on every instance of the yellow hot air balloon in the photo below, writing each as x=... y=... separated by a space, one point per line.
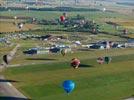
x=63 y=52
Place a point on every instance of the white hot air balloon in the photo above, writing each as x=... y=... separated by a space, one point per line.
x=104 y=9
x=20 y=25
x=27 y=8
x=15 y=17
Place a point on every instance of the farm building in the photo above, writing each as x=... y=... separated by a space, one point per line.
x=36 y=51
x=97 y=46
x=46 y=50
x=58 y=49
x=130 y=43
x=38 y=2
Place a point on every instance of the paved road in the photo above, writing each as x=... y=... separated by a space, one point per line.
x=7 y=90
x=132 y=98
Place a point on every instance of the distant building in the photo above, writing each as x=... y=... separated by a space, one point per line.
x=33 y=51
x=2 y=40
x=97 y=46
x=129 y=43
x=37 y=2
x=29 y=0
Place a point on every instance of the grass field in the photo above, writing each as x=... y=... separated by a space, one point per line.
x=98 y=16
x=131 y=35
x=40 y=77
x=10 y=27
x=125 y=23
x=93 y=81
x=56 y=14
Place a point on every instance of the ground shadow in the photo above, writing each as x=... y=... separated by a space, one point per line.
x=12 y=98
x=85 y=66
x=86 y=50
x=6 y=80
x=40 y=59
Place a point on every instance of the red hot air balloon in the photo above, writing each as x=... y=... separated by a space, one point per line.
x=100 y=60
x=125 y=31
x=75 y=63
x=62 y=18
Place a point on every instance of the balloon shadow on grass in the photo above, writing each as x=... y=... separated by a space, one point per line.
x=41 y=59
x=86 y=50
x=85 y=66
x=12 y=98
x=6 y=80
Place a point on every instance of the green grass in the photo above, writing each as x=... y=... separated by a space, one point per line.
x=55 y=14
x=22 y=59
x=96 y=82
x=99 y=17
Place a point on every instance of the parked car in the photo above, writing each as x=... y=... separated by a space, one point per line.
x=55 y=50
x=95 y=46
x=30 y=52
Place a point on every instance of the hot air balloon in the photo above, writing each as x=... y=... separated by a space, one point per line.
x=62 y=18
x=93 y=30
x=107 y=45
x=26 y=7
x=107 y=59
x=5 y=59
x=68 y=86
x=15 y=17
x=125 y=31
x=100 y=60
x=15 y=20
x=75 y=63
x=104 y=9
x=20 y=25
x=65 y=14
x=63 y=52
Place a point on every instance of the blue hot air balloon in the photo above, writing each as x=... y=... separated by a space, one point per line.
x=68 y=86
